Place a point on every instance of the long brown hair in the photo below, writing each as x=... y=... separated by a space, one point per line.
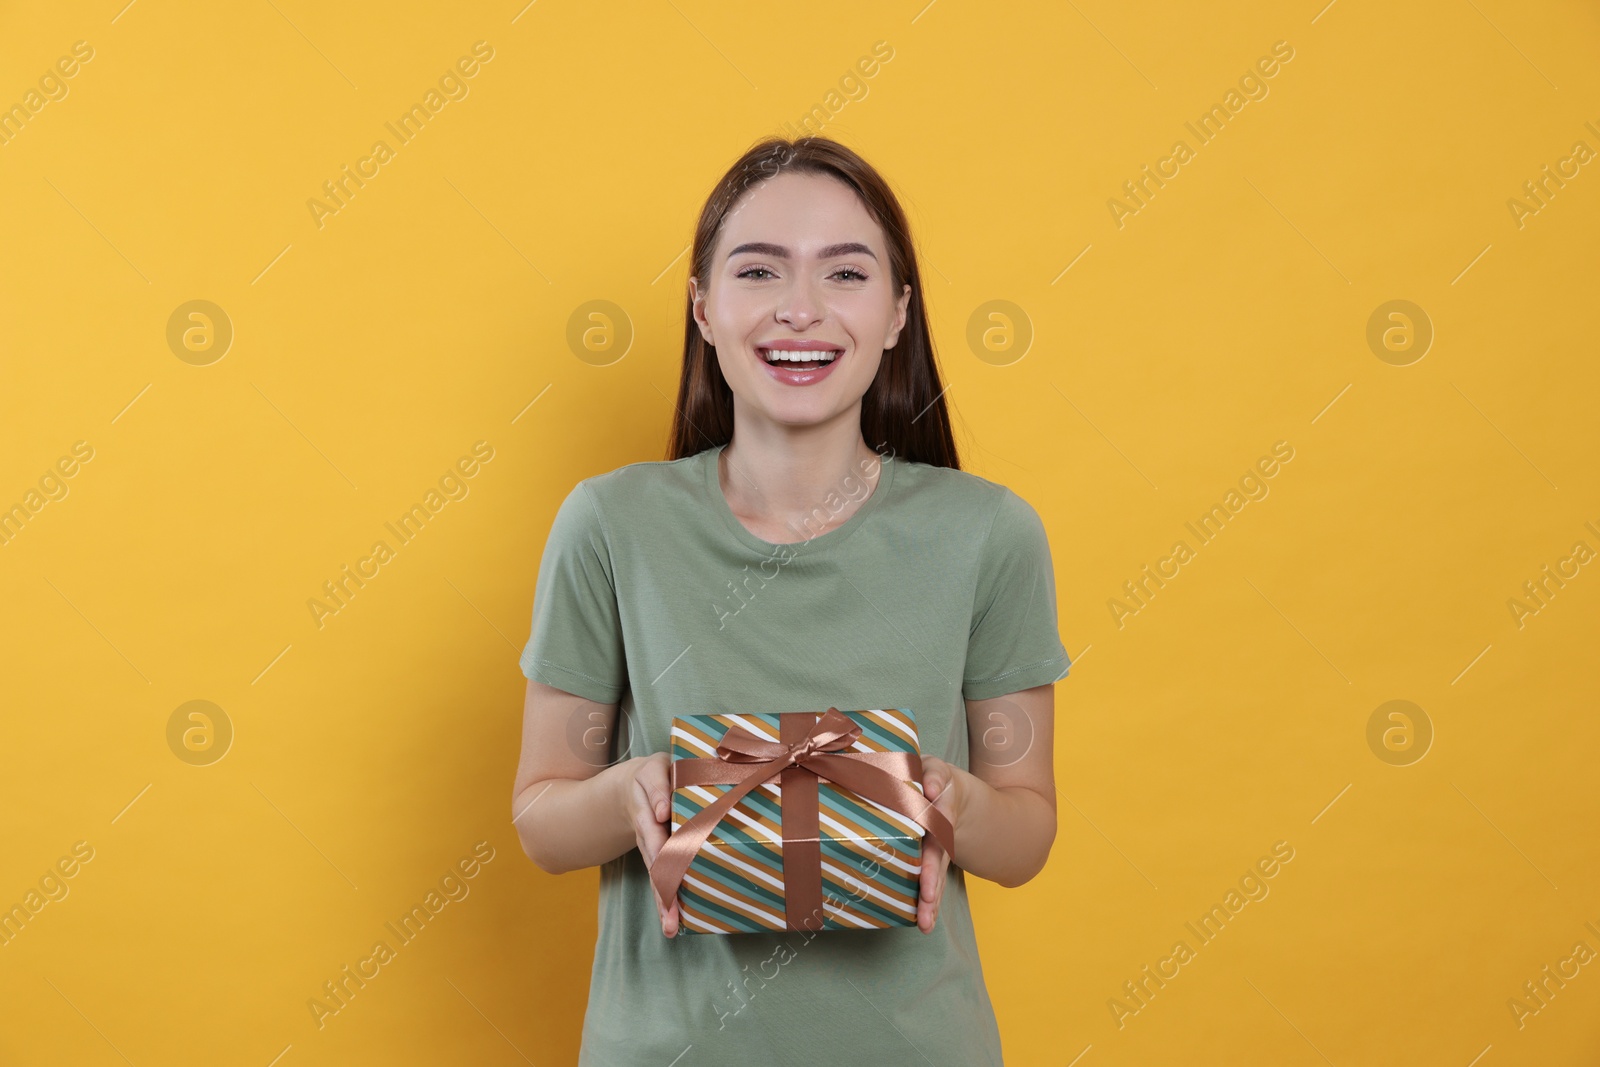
x=903 y=411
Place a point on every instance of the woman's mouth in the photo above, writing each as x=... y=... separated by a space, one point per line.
x=799 y=366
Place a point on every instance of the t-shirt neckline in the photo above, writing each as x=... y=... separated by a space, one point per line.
x=811 y=546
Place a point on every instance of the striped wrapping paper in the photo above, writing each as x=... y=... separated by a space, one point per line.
x=871 y=855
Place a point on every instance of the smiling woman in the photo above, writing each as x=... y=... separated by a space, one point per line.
x=810 y=427
x=850 y=278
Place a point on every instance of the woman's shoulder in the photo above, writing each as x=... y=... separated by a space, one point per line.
x=948 y=487
x=635 y=484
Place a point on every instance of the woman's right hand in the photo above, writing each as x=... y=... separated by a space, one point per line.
x=648 y=803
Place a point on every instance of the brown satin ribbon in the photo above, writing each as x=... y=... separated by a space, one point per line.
x=805 y=752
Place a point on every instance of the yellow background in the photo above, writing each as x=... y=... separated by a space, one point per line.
x=432 y=311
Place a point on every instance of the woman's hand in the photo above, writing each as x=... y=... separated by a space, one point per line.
x=945 y=785
x=647 y=799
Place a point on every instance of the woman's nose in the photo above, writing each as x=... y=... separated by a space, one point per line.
x=800 y=306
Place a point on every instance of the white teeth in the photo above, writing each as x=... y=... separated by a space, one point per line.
x=772 y=355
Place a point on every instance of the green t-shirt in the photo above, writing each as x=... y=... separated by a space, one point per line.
x=653 y=595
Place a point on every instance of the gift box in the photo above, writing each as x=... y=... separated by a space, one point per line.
x=796 y=821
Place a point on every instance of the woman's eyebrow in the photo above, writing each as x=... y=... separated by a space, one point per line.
x=765 y=248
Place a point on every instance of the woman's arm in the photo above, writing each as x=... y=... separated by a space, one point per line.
x=1006 y=805
x=570 y=809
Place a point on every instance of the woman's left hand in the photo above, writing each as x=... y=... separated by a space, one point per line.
x=943 y=783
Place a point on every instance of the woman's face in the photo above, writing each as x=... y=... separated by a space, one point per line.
x=799 y=262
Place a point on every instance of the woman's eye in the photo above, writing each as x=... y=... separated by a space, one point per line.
x=854 y=275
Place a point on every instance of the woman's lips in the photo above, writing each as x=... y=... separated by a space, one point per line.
x=799 y=376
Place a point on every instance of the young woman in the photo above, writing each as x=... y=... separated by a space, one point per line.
x=810 y=542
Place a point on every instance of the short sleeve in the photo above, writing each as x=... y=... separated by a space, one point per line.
x=576 y=641
x=1013 y=644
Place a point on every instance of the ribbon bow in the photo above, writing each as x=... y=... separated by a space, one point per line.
x=807 y=751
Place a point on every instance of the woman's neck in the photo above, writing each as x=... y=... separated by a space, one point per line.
x=786 y=486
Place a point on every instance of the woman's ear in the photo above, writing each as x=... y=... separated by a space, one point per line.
x=697 y=305
x=902 y=308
